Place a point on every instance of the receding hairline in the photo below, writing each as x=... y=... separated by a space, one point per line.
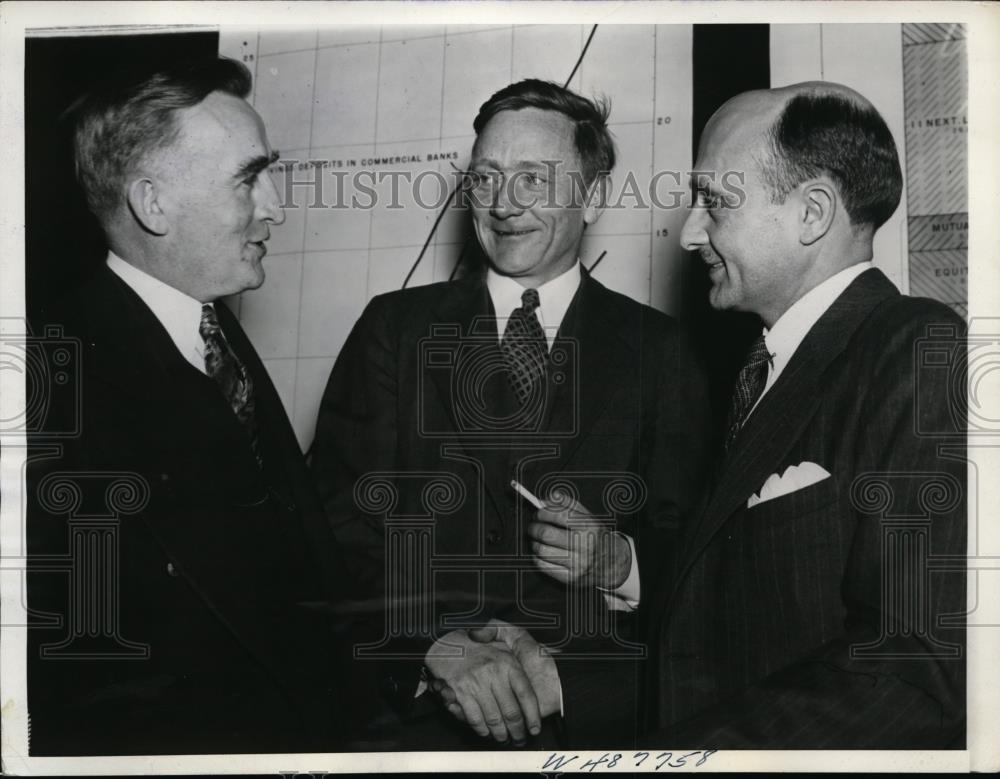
x=770 y=104
x=569 y=134
x=206 y=111
x=568 y=121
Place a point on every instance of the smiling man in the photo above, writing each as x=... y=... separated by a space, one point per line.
x=205 y=646
x=531 y=371
x=826 y=630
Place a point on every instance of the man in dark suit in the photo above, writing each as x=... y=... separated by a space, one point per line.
x=182 y=509
x=444 y=394
x=821 y=598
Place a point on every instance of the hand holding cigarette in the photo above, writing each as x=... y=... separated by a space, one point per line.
x=571 y=545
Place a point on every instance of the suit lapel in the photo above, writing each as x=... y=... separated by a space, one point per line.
x=777 y=423
x=209 y=510
x=463 y=314
x=136 y=352
x=467 y=313
x=283 y=458
x=594 y=339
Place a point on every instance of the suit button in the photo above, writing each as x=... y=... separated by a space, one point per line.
x=172 y=571
x=494 y=537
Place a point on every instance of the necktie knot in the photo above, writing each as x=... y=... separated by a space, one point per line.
x=749 y=386
x=758 y=355
x=209 y=325
x=229 y=373
x=530 y=300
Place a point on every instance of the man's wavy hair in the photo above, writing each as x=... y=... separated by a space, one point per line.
x=121 y=123
x=824 y=133
x=592 y=137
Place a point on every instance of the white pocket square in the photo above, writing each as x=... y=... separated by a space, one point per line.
x=795 y=477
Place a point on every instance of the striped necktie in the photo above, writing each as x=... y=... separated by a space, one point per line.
x=749 y=385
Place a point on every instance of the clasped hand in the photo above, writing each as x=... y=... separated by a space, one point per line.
x=574 y=547
x=497 y=679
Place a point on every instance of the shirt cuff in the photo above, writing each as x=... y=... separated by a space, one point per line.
x=625 y=597
x=423 y=686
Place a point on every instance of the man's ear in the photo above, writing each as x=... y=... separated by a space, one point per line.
x=596 y=199
x=820 y=202
x=143 y=202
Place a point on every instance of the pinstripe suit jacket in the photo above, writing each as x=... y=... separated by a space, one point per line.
x=828 y=617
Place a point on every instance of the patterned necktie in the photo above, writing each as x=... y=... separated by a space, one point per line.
x=524 y=348
x=749 y=385
x=222 y=364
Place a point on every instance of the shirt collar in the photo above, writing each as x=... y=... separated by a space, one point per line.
x=179 y=313
x=554 y=297
x=791 y=328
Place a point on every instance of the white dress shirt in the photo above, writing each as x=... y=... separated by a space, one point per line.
x=791 y=328
x=179 y=314
x=554 y=297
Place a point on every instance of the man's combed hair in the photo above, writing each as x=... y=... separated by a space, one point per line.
x=830 y=134
x=118 y=125
x=592 y=136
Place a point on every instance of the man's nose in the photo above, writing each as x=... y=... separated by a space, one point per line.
x=268 y=203
x=693 y=232
x=505 y=201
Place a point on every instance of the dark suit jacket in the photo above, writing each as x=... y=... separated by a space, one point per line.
x=419 y=395
x=830 y=617
x=207 y=648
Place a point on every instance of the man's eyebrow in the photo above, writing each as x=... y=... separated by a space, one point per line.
x=517 y=165
x=257 y=164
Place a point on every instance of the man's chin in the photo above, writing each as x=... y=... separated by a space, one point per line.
x=511 y=266
x=259 y=277
x=719 y=298
x=255 y=268
x=252 y=279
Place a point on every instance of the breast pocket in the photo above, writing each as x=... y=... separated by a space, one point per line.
x=799 y=503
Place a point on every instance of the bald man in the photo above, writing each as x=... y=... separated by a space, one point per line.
x=805 y=613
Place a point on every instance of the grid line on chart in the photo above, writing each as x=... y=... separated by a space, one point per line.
x=305 y=232
x=444 y=62
x=652 y=168
x=371 y=221
x=323 y=47
x=432 y=139
x=253 y=101
x=510 y=78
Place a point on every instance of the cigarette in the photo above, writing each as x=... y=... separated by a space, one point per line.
x=524 y=493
